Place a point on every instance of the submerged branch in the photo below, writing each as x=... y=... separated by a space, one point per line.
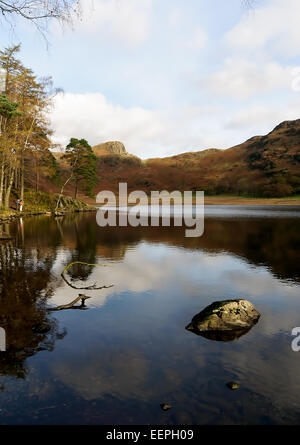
x=72 y=304
x=92 y=287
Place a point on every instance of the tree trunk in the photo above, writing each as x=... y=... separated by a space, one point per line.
x=37 y=180
x=22 y=179
x=1 y=185
x=8 y=190
x=76 y=189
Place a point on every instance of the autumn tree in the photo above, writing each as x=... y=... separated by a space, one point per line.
x=25 y=131
x=83 y=162
x=8 y=113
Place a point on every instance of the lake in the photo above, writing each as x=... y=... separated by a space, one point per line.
x=128 y=352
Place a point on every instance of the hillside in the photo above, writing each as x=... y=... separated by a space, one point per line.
x=262 y=166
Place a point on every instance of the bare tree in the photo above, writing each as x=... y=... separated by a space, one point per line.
x=248 y=3
x=39 y=12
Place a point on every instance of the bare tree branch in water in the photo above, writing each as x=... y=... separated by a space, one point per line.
x=92 y=287
x=72 y=304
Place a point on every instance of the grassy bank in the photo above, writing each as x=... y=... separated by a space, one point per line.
x=36 y=203
x=242 y=200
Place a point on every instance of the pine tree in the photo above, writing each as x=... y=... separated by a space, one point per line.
x=83 y=161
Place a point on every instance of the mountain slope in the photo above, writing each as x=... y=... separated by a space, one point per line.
x=262 y=166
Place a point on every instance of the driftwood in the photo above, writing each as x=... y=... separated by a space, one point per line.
x=81 y=297
x=92 y=287
x=72 y=304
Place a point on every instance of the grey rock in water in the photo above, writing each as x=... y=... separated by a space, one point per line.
x=225 y=320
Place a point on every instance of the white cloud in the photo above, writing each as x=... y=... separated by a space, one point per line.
x=261 y=119
x=241 y=78
x=264 y=285
x=275 y=26
x=158 y=133
x=125 y=21
x=146 y=133
x=249 y=117
x=98 y=121
x=198 y=41
x=175 y=17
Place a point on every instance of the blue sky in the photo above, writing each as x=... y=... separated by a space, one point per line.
x=170 y=76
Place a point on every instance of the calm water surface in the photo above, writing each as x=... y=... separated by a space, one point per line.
x=129 y=351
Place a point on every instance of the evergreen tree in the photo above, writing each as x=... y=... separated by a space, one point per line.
x=83 y=161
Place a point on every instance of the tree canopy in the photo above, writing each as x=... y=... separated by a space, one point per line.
x=24 y=128
x=83 y=162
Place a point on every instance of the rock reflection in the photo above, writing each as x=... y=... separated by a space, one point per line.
x=226 y=336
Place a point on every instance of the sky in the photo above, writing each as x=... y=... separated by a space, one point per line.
x=167 y=77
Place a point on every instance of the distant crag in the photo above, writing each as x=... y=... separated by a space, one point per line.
x=115 y=147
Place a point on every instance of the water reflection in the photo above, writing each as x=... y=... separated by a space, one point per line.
x=261 y=241
x=225 y=336
x=24 y=289
x=130 y=352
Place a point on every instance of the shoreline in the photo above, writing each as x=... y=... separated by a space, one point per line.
x=217 y=200
x=8 y=216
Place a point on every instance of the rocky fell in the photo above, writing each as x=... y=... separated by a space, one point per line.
x=267 y=166
x=263 y=166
